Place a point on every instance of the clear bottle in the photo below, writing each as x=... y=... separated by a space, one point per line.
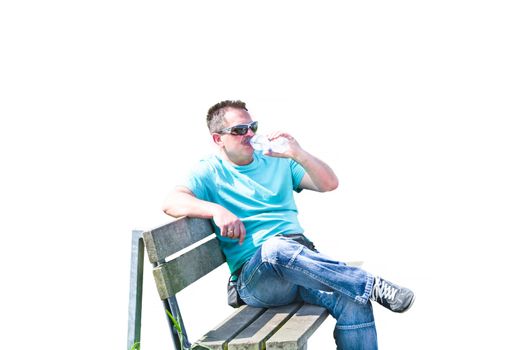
x=261 y=143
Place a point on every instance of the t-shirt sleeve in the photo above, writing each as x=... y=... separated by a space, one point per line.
x=297 y=174
x=198 y=180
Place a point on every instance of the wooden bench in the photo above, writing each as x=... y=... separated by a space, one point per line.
x=184 y=251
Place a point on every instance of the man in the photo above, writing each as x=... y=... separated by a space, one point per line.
x=249 y=196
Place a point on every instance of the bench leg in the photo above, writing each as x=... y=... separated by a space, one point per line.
x=178 y=332
x=136 y=290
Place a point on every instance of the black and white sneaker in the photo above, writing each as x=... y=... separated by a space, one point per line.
x=393 y=297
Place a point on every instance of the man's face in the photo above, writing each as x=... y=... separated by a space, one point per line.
x=237 y=147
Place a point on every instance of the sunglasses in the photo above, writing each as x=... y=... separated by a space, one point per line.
x=240 y=129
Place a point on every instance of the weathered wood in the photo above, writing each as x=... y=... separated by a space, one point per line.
x=218 y=338
x=256 y=334
x=173 y=276
x=295 y=333
x=175 y=236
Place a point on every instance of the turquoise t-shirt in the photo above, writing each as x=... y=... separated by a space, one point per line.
x=260 y=194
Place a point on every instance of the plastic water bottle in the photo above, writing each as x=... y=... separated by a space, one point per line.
x=261 y=143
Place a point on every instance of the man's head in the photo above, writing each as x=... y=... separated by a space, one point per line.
x=215 y=116
x=231 y=127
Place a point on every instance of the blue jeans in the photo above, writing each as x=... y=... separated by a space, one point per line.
x=283 y=271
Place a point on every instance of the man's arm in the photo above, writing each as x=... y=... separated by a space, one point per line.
x=182 y=202
x=319 y=176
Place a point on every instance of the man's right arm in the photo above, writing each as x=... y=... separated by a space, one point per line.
x=182 y=202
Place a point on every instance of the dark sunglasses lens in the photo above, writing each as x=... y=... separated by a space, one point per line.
x=254 y=126
x=239 y=130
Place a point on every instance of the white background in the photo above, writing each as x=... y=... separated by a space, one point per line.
x=419 y=107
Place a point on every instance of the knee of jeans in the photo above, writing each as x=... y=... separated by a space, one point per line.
x=279 y=248
x=353 y=315
x=355 y=325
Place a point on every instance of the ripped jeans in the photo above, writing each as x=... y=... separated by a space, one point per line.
x=283 y=271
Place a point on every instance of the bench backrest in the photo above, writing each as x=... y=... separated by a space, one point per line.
x=178 y=260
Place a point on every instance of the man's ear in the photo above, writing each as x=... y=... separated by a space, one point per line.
x=217 y=138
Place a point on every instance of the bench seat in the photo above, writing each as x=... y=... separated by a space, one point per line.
x=285 y=327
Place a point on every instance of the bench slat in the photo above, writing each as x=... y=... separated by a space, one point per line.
x=217 y=338
x=255 y=335
x=175 y=236
x=173 y=276
x=295 y=333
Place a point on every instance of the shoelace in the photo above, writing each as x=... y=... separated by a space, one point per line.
x=383 y=290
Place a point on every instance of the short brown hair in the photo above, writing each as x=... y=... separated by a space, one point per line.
x=215 y=115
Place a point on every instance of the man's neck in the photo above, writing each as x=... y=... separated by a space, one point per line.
x=236 y=161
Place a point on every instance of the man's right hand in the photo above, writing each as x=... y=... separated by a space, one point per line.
x=230 y=225
x=182 y=202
